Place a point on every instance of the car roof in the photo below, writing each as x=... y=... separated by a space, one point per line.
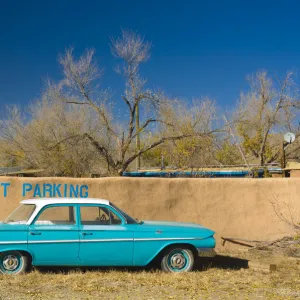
x=46 y=201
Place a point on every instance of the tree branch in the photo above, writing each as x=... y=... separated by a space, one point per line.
x=101 y=149
x=62 y=141
x=157 y=143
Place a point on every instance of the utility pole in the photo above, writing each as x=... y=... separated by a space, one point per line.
x=283 y=158
x=162 y=162
x=138 y=141
x=289 y=138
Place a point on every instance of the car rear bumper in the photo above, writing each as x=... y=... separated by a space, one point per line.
x=206 y=252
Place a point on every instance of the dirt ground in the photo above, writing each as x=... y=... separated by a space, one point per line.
x=224 y=277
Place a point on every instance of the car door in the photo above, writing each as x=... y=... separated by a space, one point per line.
x=53 y=236
x=105 y=238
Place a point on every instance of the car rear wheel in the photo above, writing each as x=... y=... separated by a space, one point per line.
x=13 y=262
x=177 y=260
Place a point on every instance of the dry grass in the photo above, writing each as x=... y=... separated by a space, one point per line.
x=210 y=283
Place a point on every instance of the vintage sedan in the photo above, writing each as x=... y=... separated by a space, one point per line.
x=94 y=232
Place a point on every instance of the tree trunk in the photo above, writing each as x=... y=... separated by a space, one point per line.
x=138 y=141
x=262 y=159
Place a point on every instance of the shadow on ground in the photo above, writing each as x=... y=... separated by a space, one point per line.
x=201 y=264
x=221 y=262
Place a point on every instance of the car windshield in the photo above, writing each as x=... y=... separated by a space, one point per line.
x=20 y=215
x=129 y=219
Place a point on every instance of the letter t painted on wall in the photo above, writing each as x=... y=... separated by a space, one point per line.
x=5 y=186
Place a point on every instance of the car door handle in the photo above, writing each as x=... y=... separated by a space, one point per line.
x=35 y=233
x=87 y=233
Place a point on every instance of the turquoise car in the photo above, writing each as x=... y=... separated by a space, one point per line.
x=94 y=232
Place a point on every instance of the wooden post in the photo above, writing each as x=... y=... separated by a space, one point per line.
x=262 y=266
x=283 y=159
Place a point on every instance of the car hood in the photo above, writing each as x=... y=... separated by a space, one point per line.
x=175 y=226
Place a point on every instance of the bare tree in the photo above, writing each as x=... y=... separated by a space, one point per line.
x=27 y=140
x=181 y=118
x=79 y=87
x=261 y=113
x=133 y=50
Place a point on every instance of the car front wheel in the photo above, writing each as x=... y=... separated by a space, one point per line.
x=13 y=262
x=177 y=260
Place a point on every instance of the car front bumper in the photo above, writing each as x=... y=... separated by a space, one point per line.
x=206 y=252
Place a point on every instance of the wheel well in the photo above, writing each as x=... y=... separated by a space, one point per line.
x=22 y=252
x=159 y=256
x=27 y=254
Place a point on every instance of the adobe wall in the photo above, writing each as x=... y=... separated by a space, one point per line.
x=295 y=173
x=232 y=207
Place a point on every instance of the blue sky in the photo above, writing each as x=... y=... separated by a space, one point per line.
x=200 y=48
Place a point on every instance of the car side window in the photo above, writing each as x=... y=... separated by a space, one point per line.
x=98 y=215
x=57 y=215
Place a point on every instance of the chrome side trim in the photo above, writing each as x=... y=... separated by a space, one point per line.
x=53 y=241
x=165 y=239
x=13 y=242
x=106 y=240
x=137 y=239
x=96 y=240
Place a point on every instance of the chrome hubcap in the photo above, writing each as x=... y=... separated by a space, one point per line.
x=178 y=261
x=10 y=262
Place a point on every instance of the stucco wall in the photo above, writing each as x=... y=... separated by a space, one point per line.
x=232 y=207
